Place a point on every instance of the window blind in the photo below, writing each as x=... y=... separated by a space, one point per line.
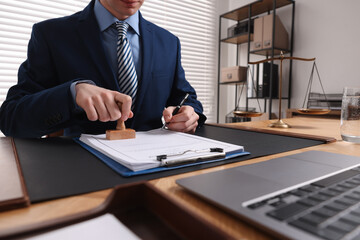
x=192 y=21
x=16 y=20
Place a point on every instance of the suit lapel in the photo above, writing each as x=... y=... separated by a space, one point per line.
x=90 y=34
x=147 y=53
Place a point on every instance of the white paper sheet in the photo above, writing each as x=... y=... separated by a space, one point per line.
x=141 y=152
x=104 y=227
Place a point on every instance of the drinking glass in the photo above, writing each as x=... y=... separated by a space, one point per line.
x=350 y=115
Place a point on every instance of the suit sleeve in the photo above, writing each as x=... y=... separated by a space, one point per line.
x=182 y=86
x=39 y=104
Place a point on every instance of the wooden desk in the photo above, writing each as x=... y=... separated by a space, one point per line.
x=49 y=210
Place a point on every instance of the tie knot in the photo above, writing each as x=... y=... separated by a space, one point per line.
x=122 y=28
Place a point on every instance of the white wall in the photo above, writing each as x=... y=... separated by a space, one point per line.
x=330 y=31
x=326 y=29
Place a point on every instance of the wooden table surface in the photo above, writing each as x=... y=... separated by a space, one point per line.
x=49 y=210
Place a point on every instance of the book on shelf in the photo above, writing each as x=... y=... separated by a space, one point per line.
x=259 y=81
x=328 y=96
x=319 y=100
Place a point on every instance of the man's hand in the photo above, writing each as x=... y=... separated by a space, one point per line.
x=186 y=120
x=103 y=104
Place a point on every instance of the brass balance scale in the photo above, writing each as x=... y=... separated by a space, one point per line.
x=304 y=110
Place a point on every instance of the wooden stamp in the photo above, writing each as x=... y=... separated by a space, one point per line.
x=120 y=133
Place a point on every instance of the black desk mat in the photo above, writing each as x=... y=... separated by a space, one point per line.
x=59 y=167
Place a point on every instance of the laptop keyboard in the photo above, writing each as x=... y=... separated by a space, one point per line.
x=329 y=208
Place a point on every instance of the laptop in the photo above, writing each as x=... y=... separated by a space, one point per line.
x=310 y=195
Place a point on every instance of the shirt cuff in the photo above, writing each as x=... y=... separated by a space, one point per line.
x=73 y=91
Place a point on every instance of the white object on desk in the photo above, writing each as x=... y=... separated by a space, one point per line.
x=141 y=152
x=104 y=227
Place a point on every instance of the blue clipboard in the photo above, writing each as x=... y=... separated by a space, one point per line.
x=125 y=172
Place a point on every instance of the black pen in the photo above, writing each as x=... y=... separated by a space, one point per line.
x=176 y=110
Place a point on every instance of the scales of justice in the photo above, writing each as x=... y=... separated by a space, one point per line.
x=304 y=110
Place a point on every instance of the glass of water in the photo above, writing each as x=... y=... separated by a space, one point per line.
x=350 y=115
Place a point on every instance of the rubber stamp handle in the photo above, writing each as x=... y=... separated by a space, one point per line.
x=120 y=125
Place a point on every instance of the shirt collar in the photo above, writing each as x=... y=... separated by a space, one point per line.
x=105 y=19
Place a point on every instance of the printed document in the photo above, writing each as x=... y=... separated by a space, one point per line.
x=142 y=152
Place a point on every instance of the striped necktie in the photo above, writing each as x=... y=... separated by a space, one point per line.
x=126 y=70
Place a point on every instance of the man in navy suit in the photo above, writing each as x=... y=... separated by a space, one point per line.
x=69 y=80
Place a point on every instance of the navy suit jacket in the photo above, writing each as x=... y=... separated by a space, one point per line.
x=69 y=49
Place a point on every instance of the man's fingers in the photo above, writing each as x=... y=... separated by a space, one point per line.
x=191 y=128
x=113 y=109
x=167 y=113
x=101 y=109
x=183 y=126
x=124 y=101
x=185 y=114
x=185 y=121
x=91 y=113
x=103 y=104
